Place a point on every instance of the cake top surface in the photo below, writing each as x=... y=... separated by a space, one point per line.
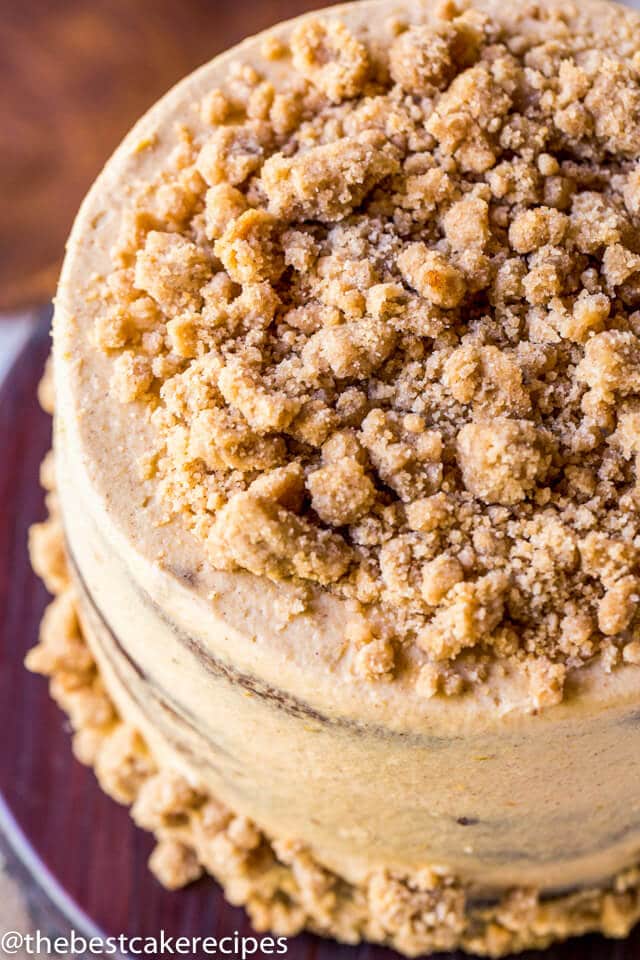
x=382 y=316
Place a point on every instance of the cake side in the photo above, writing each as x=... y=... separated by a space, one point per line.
x=279 y=882
x=500 y=799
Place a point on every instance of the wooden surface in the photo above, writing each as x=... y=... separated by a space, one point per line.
x=76 y=74
x=82 y=845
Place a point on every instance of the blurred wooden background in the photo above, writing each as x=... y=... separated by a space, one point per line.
x=76 y=75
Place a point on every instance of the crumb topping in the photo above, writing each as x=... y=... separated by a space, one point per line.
x=385 y=321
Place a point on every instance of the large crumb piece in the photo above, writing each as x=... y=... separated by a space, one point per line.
x=173 y=271
x=611 y=365
x=354 y=349
x=408 y=460
x=60 y=649
x=264 y=410
x=341 y=492
x=534 y=228
x=438 y=578
x=471 y=612
x=501 y=460
x=429 y=272
x=429 y=513
x=488 y=378
x=223 y=442
x=263 y=537
x=232 y=154
x=284 y=485
x=132 y=376
x=249 y=248
x=469 y=112
x=375 y=660
x=329 y=56
x=123 y=764
x=163 y=799
x=223 y=204
x=589 y=314
x=174 y=864
x=618 y=606
x=466 y=223
x=46 y=551
x=427 y=57
x=328 y=181
x=546 y=681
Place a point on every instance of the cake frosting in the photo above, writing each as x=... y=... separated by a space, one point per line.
x=346 y=409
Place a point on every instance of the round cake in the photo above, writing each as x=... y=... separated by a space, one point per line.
x=345 y=527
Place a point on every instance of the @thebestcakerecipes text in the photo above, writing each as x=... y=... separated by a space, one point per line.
x=235 y=946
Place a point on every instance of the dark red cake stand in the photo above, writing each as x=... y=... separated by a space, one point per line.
x=73 y=845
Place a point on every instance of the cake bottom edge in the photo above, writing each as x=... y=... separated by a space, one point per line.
x=278 y=881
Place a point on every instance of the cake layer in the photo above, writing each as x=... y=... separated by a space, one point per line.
x=512 y=799
x=282 y=886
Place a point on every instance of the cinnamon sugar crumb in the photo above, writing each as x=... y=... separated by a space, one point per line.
x=249 y=248
x=330 y=57
x=341 y=492
x=172 y=270
x=328 y=181
x=501 y=460
x=428 y=272
x=256 y=534
x=222 y=204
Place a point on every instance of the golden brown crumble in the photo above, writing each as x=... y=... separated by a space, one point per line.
x=385 y=320
x=331 y=58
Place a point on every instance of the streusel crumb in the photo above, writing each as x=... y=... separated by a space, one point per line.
x=384 y=317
